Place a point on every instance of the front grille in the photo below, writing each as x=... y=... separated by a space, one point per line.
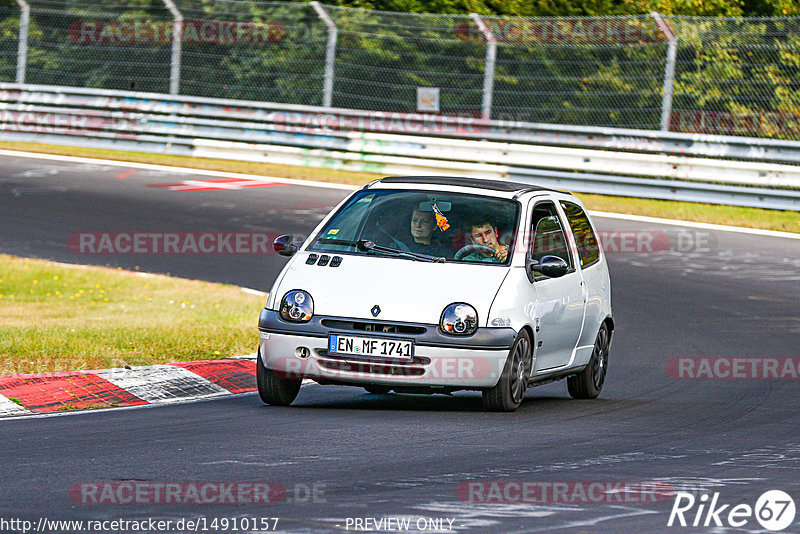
x=364 y=326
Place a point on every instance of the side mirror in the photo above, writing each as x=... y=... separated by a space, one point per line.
x=550 y=266
x=284 y=245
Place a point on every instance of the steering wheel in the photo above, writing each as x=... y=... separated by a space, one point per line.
x=466 y=250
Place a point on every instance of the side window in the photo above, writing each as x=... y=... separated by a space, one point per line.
x=588 y=249
x=548 y=234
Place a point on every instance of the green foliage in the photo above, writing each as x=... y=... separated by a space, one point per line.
x=729 y=70
x=564 y=8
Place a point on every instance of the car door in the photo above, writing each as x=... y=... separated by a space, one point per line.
x=593 y=270
x=561 y=302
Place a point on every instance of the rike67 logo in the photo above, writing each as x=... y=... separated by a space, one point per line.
x=774 y=510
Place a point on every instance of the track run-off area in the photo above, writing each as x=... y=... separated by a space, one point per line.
x=700 y=395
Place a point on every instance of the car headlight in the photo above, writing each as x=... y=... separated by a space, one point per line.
x=297 y=306
x=459 y=319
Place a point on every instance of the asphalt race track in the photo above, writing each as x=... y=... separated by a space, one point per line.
x=342 y=453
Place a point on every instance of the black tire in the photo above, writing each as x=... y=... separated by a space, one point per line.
x=588 y=383
x=507 y=394
x=273 y=389
x=378 y=390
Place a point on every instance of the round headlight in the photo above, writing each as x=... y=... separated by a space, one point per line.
x=459 y=319
x=297 y=306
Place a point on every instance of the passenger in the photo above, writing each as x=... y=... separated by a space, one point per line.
x=484 y=232
x=423 y=226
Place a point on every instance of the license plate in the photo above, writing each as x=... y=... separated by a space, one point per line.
x=398 y=349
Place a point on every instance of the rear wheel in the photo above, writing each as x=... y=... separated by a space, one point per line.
x=275 y=390
x=588 y=383
x=507 y=395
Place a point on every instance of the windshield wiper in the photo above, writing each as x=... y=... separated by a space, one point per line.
x=366 y=245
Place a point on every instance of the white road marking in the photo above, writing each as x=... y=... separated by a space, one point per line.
x=161 y=383
x=181 y=170
x=255 y=292
x=328 y=185
x=691 y=224
x=626 y=512
x=9 y=407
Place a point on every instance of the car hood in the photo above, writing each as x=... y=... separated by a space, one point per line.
x=405 y=290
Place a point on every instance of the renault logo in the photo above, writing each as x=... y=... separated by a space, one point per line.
x=375 y=310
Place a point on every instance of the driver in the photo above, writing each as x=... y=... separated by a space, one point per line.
x=423 y=225
x=484 y=232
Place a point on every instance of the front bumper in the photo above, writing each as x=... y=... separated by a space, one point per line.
x=301 y=351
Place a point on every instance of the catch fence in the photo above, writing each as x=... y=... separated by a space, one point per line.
x=726 y=76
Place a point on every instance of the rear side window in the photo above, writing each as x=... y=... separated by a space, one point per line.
x=588 y=249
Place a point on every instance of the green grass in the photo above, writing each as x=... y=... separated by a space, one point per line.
x=209 y=164
x=69 y=318
x=786 y=221
x=70 y=407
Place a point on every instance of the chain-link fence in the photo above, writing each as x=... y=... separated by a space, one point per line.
x=713 y=75
x=737 y=76
x=590 y=71
x=271 y=52
x=9 y=41
x=382 y=58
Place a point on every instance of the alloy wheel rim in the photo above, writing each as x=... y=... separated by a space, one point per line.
x=519 y=368
x=600 y=358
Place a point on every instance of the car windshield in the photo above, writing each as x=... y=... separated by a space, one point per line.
x=423 y=225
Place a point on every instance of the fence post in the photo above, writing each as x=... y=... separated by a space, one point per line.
x=488 y=75
x=177 y=39
x=330 y=53
x=22 y=49
x=669 y=70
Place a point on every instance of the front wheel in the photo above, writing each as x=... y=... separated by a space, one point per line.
x=588 y=383
x=507 y=395
x=273 y=389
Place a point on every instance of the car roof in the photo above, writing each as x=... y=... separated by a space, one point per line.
x=456 y=181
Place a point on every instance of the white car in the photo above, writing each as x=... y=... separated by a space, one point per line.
x=437 y=284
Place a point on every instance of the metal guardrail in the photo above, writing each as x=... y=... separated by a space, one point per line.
x=703 y=168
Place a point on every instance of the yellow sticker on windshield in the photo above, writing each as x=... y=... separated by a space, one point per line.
x=333 y=231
